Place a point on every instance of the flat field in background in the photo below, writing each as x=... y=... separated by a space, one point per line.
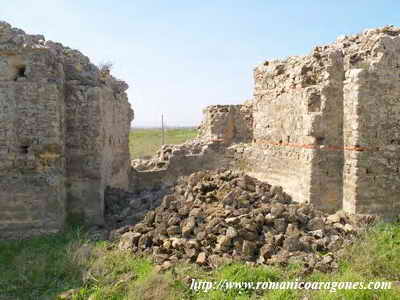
x=145 y=142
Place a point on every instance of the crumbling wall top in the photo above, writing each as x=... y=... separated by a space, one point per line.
x=77 y=66
x=356 y=48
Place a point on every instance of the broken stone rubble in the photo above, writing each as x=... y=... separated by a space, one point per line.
x=260 y=225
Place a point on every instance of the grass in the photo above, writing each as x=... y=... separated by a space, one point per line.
x=44 y=267
x=144 y=143
x=38 y=268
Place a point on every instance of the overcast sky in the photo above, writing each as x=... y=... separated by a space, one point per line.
x=180 y=56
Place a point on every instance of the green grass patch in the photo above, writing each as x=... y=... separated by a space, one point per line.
x=144 y=143
x=39 y=268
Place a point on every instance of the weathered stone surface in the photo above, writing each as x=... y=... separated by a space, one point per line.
x=64 y=128
x=172 y=161
x=129 y=240
x=201 y=259
x=227 y=123
x=325 y=124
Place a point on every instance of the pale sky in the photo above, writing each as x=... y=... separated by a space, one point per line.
x=180 y=56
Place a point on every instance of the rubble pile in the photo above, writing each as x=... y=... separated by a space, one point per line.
x=215 y=217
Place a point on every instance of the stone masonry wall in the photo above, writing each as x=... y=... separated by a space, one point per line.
x=326 y=124
x=64 y=128
x=98 y=123
x=173 y=161
x=228 y=123
x=32 y=162
x=297 y=111
x=222 y=126
x=372 y=115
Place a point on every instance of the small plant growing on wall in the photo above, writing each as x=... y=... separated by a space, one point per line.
x=105 y=68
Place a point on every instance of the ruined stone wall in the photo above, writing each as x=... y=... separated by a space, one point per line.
x=371 y=124
x=228 y=123
x=326 y=124
x=297 y=112
x=173 y=161
x=32 y=162
x=222 y=126
x=64 y=127
x=98 y=124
